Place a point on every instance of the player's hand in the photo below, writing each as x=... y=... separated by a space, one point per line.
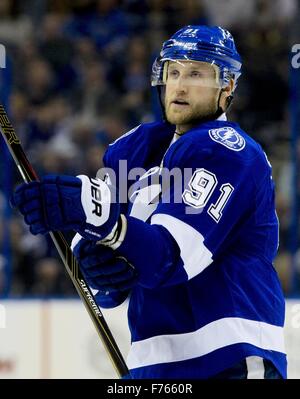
x=111 y=275
x=60 y=202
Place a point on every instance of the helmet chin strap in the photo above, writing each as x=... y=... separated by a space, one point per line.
x=161 y=103
x=220 y=110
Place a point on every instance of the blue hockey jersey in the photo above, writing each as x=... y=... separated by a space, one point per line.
x=217 y=298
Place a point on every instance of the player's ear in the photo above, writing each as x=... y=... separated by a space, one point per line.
x=229 y=88
x=226 y=96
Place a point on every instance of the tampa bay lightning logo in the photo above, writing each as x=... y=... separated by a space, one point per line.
x=228 y=137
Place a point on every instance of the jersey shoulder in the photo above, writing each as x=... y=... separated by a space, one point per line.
x=218 y=140
x=137 y=142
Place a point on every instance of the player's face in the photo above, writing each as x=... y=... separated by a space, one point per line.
x=192 y=91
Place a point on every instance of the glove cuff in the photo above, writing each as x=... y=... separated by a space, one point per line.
x=117 y=235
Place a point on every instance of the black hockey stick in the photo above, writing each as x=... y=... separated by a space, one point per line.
x=28 y=174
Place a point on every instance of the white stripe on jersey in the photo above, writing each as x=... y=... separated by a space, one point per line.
x=125 y=135
x=215 y=335
x=187 y=238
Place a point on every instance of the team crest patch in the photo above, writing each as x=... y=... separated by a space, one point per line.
x=228 y=137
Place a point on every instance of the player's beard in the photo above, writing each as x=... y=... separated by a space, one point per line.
x=193 y=114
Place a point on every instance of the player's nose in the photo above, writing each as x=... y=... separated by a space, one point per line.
x=181 y=86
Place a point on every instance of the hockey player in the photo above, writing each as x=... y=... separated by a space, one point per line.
x=193 y=255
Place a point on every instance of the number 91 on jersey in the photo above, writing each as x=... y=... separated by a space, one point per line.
x=201 y=186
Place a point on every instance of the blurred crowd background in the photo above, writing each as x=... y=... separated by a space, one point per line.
x=80 y=78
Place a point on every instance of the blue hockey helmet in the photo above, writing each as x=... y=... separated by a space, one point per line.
x=213 y=45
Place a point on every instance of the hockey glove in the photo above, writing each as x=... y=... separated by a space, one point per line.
x=60 y=202
x=111 y=275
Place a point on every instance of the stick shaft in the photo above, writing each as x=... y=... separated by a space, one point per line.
x=28 y=174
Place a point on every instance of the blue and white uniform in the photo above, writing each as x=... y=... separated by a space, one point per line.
x=208 y=295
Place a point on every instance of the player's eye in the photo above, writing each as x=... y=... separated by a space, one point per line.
x=195 y=74
x=173 y=73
